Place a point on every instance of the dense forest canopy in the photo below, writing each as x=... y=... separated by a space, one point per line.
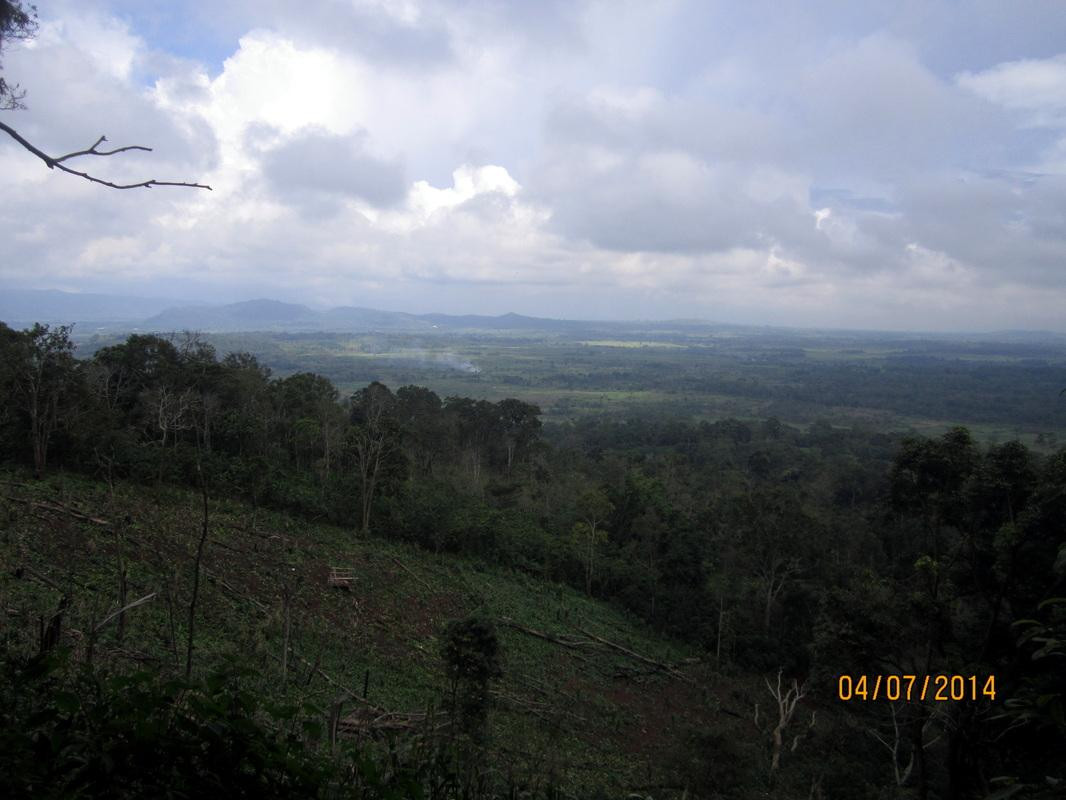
x=775 y=551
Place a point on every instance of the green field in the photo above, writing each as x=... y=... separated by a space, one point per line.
x=1002 y=390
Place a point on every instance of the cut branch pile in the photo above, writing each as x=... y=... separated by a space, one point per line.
x=363 y=721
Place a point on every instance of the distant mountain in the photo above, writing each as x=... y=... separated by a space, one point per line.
x=504 y=322
x=272 y=315
x=351 y=318
x=117 y=313
x=22 y=307
x=245 y=316
x=123 y=313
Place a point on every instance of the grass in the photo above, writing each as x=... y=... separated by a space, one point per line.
x=567 y=708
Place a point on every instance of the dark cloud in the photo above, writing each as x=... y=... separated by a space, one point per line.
x=666 y=202
x=321 y=163
x=1011 y=229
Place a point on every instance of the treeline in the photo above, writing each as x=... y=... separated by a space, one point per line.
x=930 y=387
x=815 y=552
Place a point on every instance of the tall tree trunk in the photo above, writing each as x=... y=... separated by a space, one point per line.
x=37 y=432
x=287 y=627
x=718 y=642
x=921 y=787
x=196 y=577
x=369 y=484
x=588 y=570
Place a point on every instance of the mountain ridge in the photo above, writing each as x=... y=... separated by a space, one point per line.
x=130 y=313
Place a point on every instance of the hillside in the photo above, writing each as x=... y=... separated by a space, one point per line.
x=588 y=709
x=784 y=559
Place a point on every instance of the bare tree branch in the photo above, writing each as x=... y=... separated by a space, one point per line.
x=92 y=151
x=57 y=162
x=786 y=700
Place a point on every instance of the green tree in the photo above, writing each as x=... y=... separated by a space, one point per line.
x=310 y=418
x=17 y=21
x=45 y=378
x=519 y=424
x=593 y=510
x=471 y=654
x=418 y=410
x=374 y=442
x=477 y=425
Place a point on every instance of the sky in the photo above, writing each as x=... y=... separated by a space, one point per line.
x=811 y=163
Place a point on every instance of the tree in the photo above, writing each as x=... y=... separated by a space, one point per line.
x=142 y=363
x=785 y=699
x=520 y=425
x=424 y=434
x=45 y=376
x=374 y=441
x=478 y=425
x=471 y=654
x=310 y=416
x=18 y=21
x=593 y=509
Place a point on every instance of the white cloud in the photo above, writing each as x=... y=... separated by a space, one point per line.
x=593 y=158
x=1037 y=86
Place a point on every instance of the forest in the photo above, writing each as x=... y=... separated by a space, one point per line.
x=1004 y=387
x=762 y=579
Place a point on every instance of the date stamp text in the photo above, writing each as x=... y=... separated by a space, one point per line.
x=916 y=688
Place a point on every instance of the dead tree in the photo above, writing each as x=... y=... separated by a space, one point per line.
x=172 y=413
x=19 y=22
x=894 y=741
x=59 y=162
x=774 y=576
x=786 y=701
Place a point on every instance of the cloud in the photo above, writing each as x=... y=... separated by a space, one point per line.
x=672 y=202
x=1036 y=86
x=322 y=163
x=824 y=164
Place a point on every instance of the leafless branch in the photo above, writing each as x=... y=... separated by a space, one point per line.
x=786 y=700
x=57 y=162
x=123 y=610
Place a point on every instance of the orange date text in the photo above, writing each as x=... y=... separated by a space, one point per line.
x=916 y=688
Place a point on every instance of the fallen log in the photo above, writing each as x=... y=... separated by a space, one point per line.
x=56 y=507
x=642 y=658
x=407 y=569
x=123 y=610
x=571 y=642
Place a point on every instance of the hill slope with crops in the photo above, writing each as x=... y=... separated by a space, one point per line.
x=586 y=696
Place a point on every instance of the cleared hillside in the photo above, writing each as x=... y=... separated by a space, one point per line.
x=587 y=698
